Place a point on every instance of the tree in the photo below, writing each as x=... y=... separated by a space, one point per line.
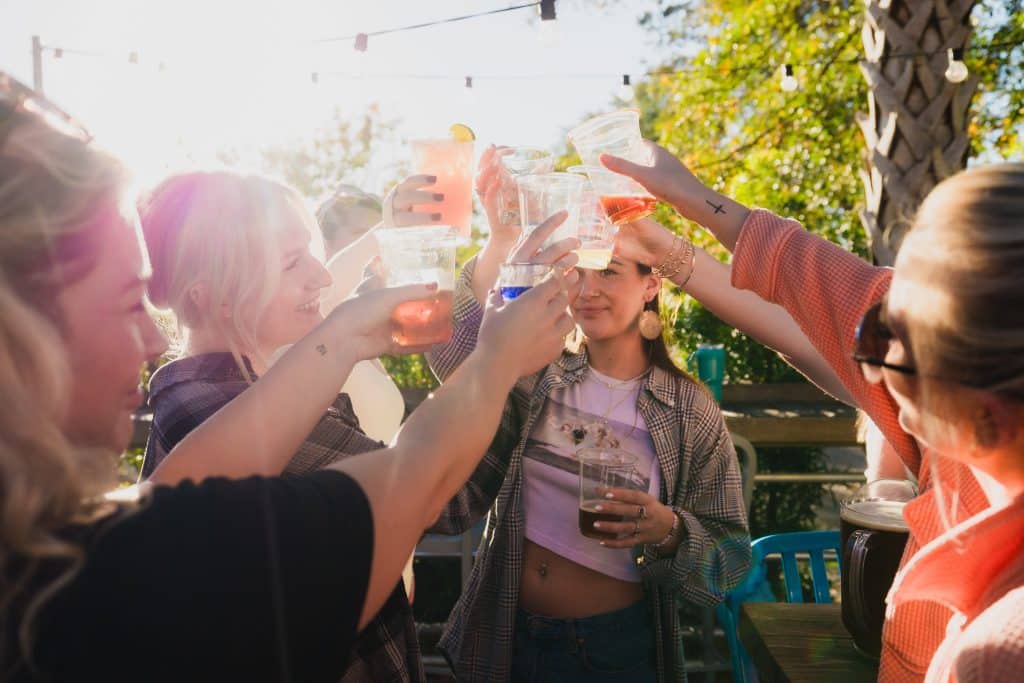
x=340 y=153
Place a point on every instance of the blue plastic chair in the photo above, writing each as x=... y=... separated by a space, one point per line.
x=755 y=587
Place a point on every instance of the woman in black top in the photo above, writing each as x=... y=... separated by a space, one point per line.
x=257 y=579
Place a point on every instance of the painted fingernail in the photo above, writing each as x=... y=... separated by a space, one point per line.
x=603 y=543
x=431 y=286
x=598 y=508
x=597 y=525
x=438 y=197
x=609 y=495
x=435 y=216
x=431 y=178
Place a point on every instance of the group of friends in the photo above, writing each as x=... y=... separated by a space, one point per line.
x=278 y=510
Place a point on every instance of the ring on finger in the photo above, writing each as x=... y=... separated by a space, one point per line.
x=636 y=529
x=641 y=511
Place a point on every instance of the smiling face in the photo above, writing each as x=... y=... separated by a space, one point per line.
x=611 y=300
x=294 y=307
x=109 y=334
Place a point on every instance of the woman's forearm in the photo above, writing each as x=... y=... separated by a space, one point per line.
x=346 y=269
x=710 y=283
x=259 y=431
x=434 y=453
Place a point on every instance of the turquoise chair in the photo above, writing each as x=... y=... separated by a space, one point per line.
x=755 y=586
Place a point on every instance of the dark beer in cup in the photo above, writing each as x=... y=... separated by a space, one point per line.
x=873 y=536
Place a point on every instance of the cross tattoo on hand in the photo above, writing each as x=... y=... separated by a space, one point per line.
x=717 y=207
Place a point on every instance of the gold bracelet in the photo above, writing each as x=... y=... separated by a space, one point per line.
x=672 y=532
x=693 y=264
x=661 y=271
x=674 y=263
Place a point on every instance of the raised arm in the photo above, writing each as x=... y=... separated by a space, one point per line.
x=258 y=432
x=825 y=288
x=709 y=282
x=443 y=440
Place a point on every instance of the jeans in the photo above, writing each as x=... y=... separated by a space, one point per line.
x=614 y=646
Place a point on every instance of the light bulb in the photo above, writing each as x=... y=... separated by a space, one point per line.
x=626 y=89
x=788 y=82
x=957 y=71
x=550 y=34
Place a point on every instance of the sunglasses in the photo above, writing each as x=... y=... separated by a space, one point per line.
x=20 y=102
x=872 y=340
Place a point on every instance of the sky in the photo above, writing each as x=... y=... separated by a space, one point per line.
x=214 y=75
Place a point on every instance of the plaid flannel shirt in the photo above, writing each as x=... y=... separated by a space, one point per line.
x=186 y=392
x=700 y=481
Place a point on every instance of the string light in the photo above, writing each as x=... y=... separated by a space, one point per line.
x=788 y=82
x=626 y=89
x=361 y=42
x=956 y=72
x=547 y=10
x=133 y=57
x=469 y=81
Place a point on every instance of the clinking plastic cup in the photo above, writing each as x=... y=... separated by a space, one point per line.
x=596 y=232
x=519 y=161
x=545 y=194
x=622 y=198
x=516 y=278
x=414 y=255
x=617 y=133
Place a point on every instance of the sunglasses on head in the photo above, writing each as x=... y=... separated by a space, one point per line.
x=872 y=340
x=18 y=101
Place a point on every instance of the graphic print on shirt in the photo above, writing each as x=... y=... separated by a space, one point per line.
x=562 y=430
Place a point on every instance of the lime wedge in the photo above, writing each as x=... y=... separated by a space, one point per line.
x=462 y=133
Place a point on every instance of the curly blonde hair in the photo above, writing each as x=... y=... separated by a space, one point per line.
x=50 y=186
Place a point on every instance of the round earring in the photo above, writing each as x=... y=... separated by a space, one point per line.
x=650 y=325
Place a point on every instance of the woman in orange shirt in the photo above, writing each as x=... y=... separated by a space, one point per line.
x=933 y=351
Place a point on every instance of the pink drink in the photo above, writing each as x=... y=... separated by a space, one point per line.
x=452 y=162
x=424 y=321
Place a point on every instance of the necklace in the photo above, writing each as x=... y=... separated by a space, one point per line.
x=616 y=385
x=600 y=431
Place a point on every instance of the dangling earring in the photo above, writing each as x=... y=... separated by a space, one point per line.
x=650 y=325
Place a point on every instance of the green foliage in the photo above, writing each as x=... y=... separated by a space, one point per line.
x=997 y=125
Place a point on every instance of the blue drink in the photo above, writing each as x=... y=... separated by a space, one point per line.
x=510 y=293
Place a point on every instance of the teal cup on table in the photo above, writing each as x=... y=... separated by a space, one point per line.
x=708 y=362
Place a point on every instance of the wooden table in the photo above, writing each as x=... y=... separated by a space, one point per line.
x=801 y=642
x=788 y=414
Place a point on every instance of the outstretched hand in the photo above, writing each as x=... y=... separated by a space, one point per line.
x=364 y=321
x=399 y=205
x=529 y=332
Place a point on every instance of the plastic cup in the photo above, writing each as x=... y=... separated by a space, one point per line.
x=519 y=161
x=517 y=278
x=617 y=133
x=415 y=255
x=622 y=198
x=544 y=194
x=602 y=469
x=596 y=232
x=451 y=162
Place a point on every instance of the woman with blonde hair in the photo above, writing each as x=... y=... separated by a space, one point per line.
x=232 y=258
x=256 y=579
x=933 y=352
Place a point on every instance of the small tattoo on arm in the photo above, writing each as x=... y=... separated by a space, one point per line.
x=717 y=207
x=322 y=349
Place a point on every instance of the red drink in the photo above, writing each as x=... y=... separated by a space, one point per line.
x=588 y=516
x=625 y=208
x=424 y=321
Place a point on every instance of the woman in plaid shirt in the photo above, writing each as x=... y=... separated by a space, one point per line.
x=544 y=602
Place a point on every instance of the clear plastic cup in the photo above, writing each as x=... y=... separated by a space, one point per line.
x=517 y=278
x=615 y=133
x=622 y=198
x=544 y=194
x=519 y=161
x=415 y=255
x=452 y=162
x=602 y=469
x=596 y=232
